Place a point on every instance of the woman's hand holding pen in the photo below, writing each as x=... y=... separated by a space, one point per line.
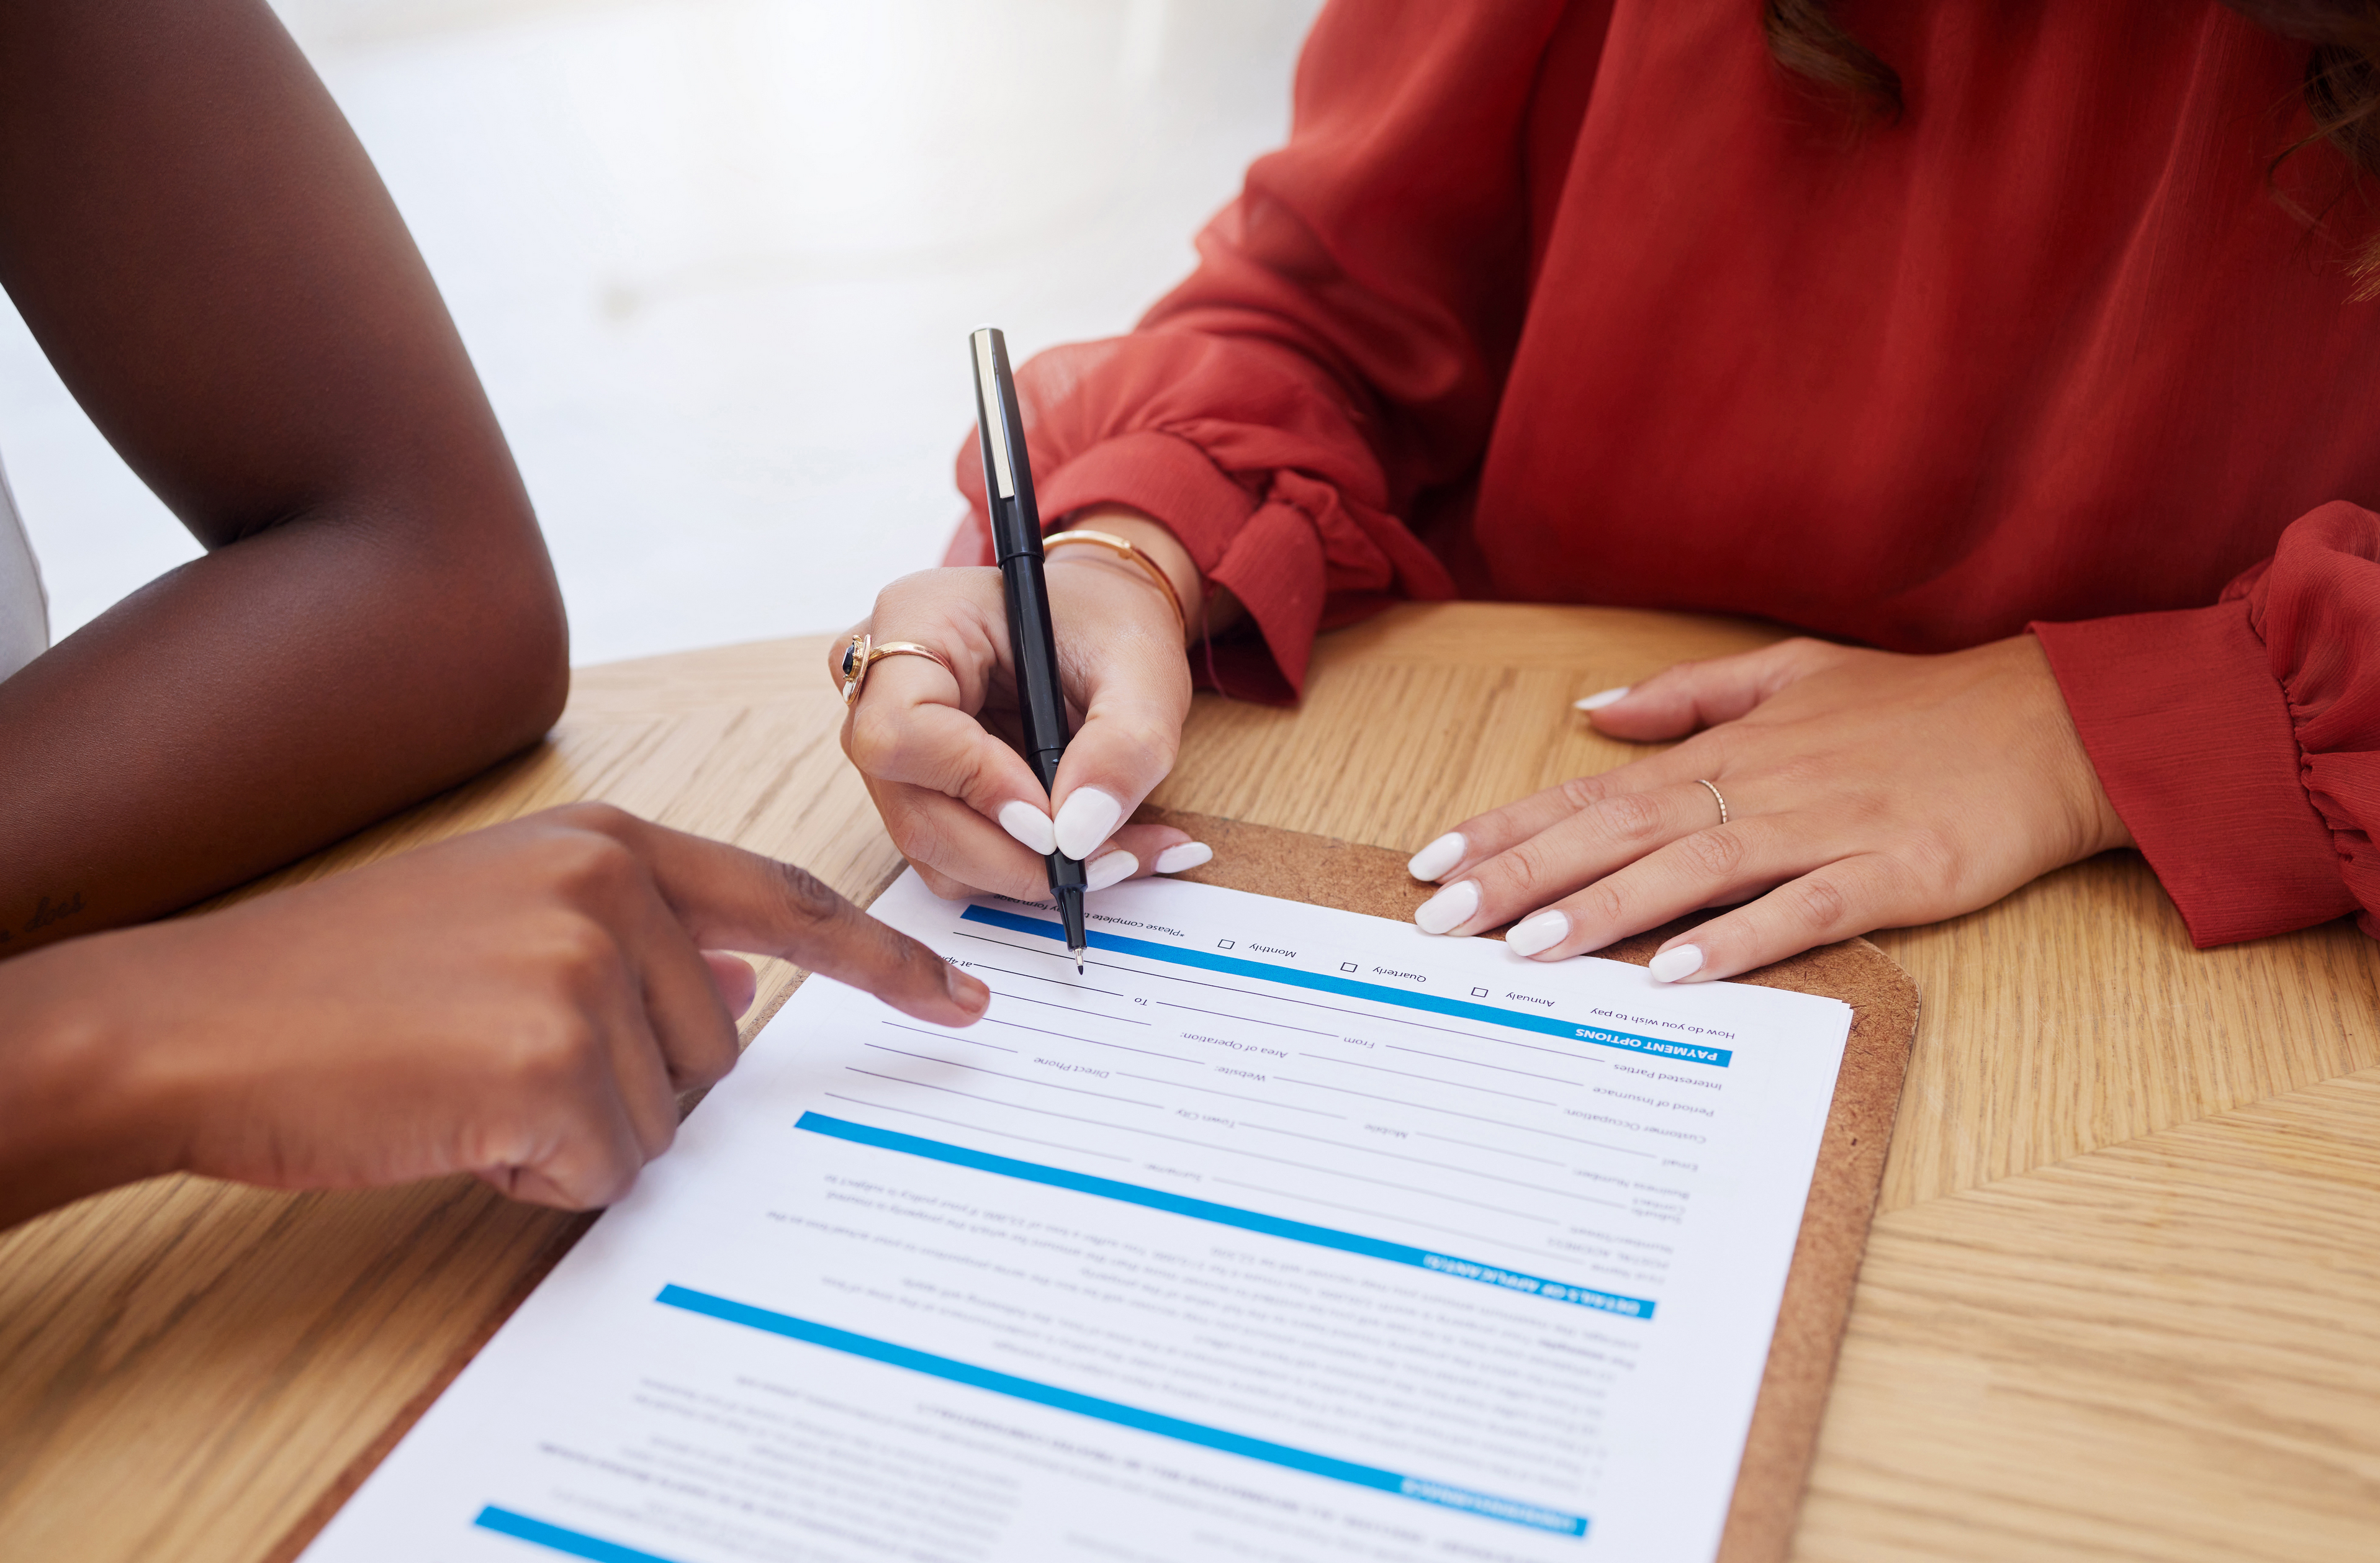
x=1862 y=789
x=939 y=753
x=525 y=1003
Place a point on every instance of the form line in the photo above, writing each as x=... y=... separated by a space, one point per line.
x=1475 y=1064
x=1452 y=1112
x=1022 y=1079
x=1474 y=1145
x=947 y=1037
x=1382 y=1214
x=1393 y=997
x=1443 y=1166
x=955 y=1123
x=1434 y=1080
x=1074 y=1009
x=1235 y=1096
x=1342 y=1010
x=1245 y=1019
x=1061 y=982
x=1210 y=1146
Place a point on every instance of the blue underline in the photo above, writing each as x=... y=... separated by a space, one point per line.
x=1319 y=982
x=556 y=1538
x=1486 y=1505
x=1229 y=1215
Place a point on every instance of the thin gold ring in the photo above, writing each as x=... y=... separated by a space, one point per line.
x=1716 y=797
x=863 y=653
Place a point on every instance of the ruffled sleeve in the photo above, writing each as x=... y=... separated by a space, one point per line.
x=1341 y=346
x=2241 y=742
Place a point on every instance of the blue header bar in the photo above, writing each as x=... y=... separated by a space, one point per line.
x=1319 y=982
x=1226 y=1215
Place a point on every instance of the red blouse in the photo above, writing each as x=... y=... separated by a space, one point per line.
x=1585 y=303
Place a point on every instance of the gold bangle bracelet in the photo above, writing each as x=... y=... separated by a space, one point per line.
x=1117 y=545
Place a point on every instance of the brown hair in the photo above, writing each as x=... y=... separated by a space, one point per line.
x=2341 y=85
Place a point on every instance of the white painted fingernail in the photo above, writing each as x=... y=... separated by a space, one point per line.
x=1088 y=817
x=1188 y=855
x=1540 y=930
x=1439 y=856
x=1030 y=825
x=1601 y=698
x=1449 y=908
x=1670 y=966
x=1115 y=866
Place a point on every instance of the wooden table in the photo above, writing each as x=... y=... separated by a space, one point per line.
x=2122 y=1300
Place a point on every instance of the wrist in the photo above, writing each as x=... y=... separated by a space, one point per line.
x=1206 y=609
x=81 y=1109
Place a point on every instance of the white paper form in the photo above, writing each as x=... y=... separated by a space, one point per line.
x=1282 y=1233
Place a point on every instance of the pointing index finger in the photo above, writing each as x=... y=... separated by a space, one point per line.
x=730 y=899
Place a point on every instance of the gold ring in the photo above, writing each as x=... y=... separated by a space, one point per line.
x=863 y=653
x=1716 y=798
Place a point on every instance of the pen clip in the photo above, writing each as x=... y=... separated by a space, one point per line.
x=992 y=410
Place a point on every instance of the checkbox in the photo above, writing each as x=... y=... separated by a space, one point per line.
x=1479 y=993
x=1222 y=944
x=1346 y=965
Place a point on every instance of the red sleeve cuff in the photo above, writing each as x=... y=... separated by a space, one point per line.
x=1265 y=553
x=2192 y=737
x=1162 y=475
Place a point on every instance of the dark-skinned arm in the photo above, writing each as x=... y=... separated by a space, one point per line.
x=202 y=247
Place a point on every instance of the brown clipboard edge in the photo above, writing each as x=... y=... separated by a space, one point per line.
x=1817 y=1304
x=1783 y=1436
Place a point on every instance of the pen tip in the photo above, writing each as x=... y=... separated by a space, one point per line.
x=1078 y=962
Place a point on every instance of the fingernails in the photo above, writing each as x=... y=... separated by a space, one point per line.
x=966 y=992
x=1188 y=855
x=1670 y=965
x=1449 y=908
x=1538 y=931
x=1088 y=817
x=1101 y=872
x=1600 y=699
x=1030 y=825
x=1439 y=856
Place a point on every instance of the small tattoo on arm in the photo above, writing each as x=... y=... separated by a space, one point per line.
x=49 y=912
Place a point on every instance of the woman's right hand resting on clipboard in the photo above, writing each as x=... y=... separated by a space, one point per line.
x=939 y=752
x=525 y=1003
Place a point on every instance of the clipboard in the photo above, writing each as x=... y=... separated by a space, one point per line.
x=1817 y=1300
x=1294 y=865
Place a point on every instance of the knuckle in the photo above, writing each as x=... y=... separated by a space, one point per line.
x=578 y=951
x=608 y=1182
x=1820 y=903
x=1714 y=853
x=1148 y=734
x=553 y=1059
x=1523 y=871
x=1633 y=817
x=1600 y=904
x=595 y=817
x=873 y=739
x=1929 y=855
x=806 y=895
x=921 y=841
x=584 y=863
x=1584 y=791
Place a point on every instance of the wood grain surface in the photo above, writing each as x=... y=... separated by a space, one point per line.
x=2123 y=1301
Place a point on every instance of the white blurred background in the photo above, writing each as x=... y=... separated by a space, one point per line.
x=716 y=261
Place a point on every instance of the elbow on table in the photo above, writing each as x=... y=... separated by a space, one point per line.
x=516 y=660
x=480 y=644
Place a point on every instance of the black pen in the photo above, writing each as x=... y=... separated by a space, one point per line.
x=1017 y=544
